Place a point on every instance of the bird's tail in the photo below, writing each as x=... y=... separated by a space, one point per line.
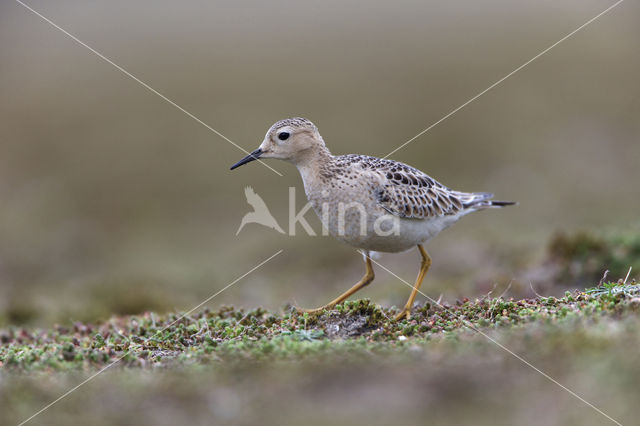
x=502 y=203
x=481 y=200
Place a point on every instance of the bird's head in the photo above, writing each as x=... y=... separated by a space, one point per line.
x=293 y=139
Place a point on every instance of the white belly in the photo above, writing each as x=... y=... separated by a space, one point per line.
x=412 y=232
x=379 y=230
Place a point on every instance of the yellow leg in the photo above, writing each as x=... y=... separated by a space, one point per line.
x=424 y=267
x=366 y=280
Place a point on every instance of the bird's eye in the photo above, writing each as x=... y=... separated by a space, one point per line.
x=283 y=136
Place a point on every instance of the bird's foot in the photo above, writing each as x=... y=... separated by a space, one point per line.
x=404 y=313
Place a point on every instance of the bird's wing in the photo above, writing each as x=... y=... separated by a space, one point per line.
x=407 y=192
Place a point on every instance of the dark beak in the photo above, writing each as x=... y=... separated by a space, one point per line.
x=249 y=158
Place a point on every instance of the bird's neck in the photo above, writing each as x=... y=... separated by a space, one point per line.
x=312 y=158
x=312 y=167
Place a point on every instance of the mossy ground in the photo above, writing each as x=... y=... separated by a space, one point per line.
x=345 y=366
x=228 y=334
x=468 y=362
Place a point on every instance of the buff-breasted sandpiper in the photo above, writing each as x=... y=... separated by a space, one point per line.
x=372 y=204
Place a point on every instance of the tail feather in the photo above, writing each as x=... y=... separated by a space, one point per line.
x=482 y=200
x=503 y=203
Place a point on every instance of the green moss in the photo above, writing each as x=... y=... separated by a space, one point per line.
x=353 y=329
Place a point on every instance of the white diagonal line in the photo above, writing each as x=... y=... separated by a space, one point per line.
x=93 y=376
x=504 y=78
x=501 y=346
x=142 y=83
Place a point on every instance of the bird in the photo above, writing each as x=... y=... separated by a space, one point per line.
x=373 y=204
x=260 y=213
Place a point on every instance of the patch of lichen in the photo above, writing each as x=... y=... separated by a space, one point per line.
x=228 y=335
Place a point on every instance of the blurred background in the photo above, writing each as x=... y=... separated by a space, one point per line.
x=114 y=201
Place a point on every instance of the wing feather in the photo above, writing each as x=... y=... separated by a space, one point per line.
x=407 y=192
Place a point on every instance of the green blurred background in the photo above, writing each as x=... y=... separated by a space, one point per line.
x=113 y=201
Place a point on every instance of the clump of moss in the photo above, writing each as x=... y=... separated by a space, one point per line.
x=584 y=257
x=352 y=318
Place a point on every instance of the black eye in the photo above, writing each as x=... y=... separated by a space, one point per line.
x=283 y=136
